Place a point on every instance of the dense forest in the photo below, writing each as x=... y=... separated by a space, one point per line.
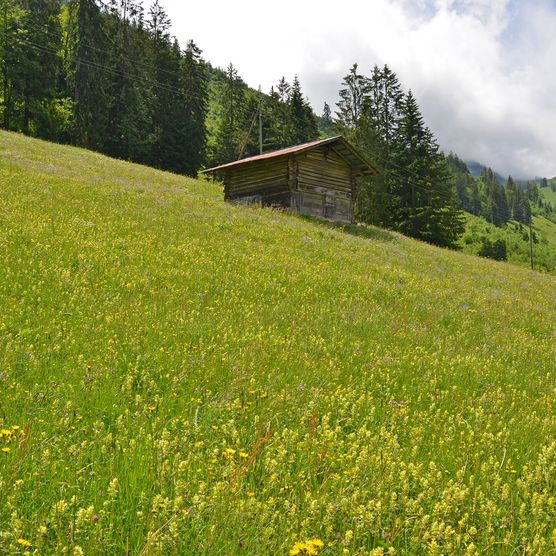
x=109 y=76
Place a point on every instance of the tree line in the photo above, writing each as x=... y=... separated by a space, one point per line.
x=108 y=75
x=414 y=192
x=243 y=117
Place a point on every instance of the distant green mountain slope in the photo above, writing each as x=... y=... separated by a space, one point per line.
x=516 y=239
x=184 y=376
x=548 y=193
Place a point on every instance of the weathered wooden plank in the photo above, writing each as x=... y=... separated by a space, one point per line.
x=293 y=173
x=337 y=194
x=271 y=186
x=262 y=180
x=257 y=177
x=332 y=180
x=340 y=187
x=323 y=166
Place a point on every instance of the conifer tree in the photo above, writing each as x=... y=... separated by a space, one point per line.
x=166 y=114
x=232 y=105
x=279 y=116
x=131 y=96
x=414 y=191
x=87 y=73
x=194 y=93
x=353 y=94
x=425 y=203
x=249 y=126
x=326 y=122
x=379 y=115
x=35 y=73
x=303 y=124
x=12 y=53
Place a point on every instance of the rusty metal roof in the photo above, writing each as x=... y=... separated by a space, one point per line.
x=353 y=157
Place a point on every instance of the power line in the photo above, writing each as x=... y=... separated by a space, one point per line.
x=113 y=71
x=108 y=53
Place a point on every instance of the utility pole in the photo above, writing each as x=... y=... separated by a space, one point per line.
x=260 y=122
x=531 y=241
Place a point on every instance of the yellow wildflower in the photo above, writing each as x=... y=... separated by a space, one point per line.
x=24 y=542
x=310 y=547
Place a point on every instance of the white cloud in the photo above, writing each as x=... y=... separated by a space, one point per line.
x=482 y=70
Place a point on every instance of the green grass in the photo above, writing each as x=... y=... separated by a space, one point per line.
x=191 y=377
x=516 y=237
x=548 y=194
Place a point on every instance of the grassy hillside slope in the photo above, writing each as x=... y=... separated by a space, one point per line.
x=182 y=376
x=548 y=194
x=516 y=237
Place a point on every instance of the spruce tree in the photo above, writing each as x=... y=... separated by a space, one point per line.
x=280 y=135
x=376 y=135
x=273 y=121
x=194 y=92
x=35 y=75
x=326 y=122
x=12 y=54
x=130 y=91
x=232 y=104
x=353 y=95
x=414 y=191
x=303 y=124
x=87 y=73
x=166 y=114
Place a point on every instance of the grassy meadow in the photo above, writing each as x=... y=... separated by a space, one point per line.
x=548 y=194
x=517 y=241
x=183 y=376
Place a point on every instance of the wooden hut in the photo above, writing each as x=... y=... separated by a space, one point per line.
x=317 y=178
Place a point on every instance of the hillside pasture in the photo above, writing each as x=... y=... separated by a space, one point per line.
x=183 y=376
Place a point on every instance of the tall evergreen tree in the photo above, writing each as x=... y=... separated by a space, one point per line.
x=232 y=105
x=194 y=91
x=376 y=133
x=35 y=77
x=130 y=93
x=414 y=191
x=303 y=124
x=326 y=122
x=425 y=203
x=88 y=75
x=166 y=114
x=497 y=210
x=13 y=54
x=353 y=94
x=277 y=116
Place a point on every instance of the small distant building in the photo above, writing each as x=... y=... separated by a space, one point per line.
x=317 y=178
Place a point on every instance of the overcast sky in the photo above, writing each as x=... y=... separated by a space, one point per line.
x=483 y=71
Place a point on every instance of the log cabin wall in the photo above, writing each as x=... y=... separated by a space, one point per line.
x=266 y=180
x=317 y=178
x=324 y=185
